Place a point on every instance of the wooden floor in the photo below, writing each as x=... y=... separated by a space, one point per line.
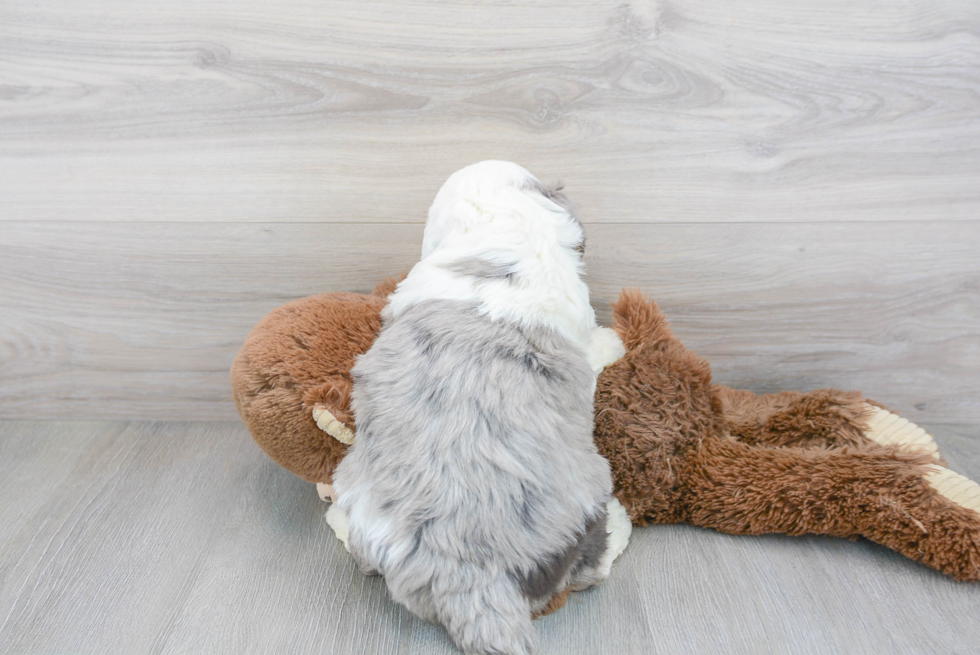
x=167 y=537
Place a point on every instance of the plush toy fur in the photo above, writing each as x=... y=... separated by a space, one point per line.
x=299 y=357
x=681 y=449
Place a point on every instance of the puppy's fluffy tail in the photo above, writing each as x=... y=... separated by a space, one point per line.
x=489 y=618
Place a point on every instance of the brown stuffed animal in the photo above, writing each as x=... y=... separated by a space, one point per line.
x=291 y=379
x=681 y=449
x=826 y=462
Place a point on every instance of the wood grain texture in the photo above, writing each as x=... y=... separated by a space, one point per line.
x=797 y=183
x=685 y=111
x=105 y=320
x=177 y=537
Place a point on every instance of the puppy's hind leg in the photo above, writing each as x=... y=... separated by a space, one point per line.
x=618 y=528
x=601 y=546
x=339 y=523
x=337 y=520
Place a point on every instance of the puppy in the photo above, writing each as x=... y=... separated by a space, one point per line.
x=473 y=484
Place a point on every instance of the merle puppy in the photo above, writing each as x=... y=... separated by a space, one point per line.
x=473 y=484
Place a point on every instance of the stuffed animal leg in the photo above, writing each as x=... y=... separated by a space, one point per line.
x=825 y=462
x=895 y=498
x=825 y=418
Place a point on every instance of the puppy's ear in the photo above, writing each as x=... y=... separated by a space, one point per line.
x=555 y=193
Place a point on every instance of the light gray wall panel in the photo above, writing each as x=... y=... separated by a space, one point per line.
x=136 y=320
x=340 y=111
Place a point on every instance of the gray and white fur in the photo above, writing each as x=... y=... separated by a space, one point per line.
x=474 y=485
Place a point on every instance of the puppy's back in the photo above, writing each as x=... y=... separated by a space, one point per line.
x=474 y=485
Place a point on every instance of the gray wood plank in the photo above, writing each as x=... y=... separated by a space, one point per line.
x=105 y=320
x=97 y=565
x=183 y=537
x=336 y=111
x=891 y=310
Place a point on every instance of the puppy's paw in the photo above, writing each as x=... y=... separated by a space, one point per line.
x=329 y=424
x=325 y=492
x=619 y=528
x=889 y=429
x=337 y=521
x=605 y=347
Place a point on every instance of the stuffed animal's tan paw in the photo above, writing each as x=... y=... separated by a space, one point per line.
x=890 y=429
x=959 y=489
x=325 y=492
x=329 y=424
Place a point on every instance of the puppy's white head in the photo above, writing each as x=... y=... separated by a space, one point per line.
x=498 y=237
x=497 y=201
